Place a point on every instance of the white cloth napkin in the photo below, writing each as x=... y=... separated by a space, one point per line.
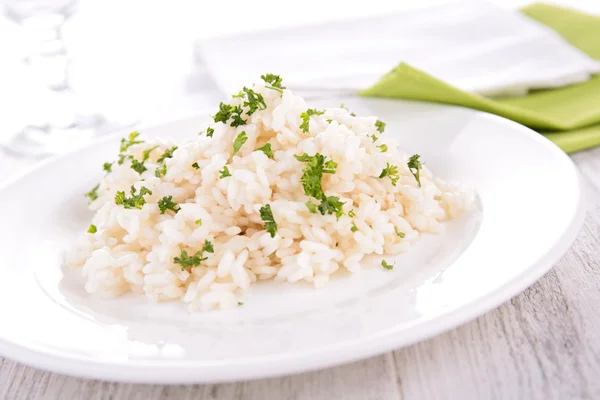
x=470 y=44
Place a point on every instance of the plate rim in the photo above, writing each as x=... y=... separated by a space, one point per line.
x=183 y=371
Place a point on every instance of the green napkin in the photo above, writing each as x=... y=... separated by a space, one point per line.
x=568 y=116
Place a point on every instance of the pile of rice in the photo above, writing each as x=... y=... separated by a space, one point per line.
x=136 y=249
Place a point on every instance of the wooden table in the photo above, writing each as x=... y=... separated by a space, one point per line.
x=543 y=344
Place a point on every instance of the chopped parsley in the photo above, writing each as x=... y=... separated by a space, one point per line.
x=255 y=100
x=387 y=266
x=331 y=205
x=351 y=214
x=138 y=166
x=146 y=153
x=392 y=172
x=160 y=171
x=267 y=150
x=306 y=118
x=313 y=172
x=312 y=207
x=414 y=165
x=354 y=228
x=401 y=235
x=122 y=158
x=135 y=201
x=239 y=141
x=167 y=203
x=382 y=148
x=329 y=120
x=199 y=222
x=210 y=131
x=107 y=167
x=195 y=165
x=194 y=261
x=266 y=214
x=224 y=172
x=373 y=137
x=240 y=303
x=92 y=229
x=380 y=125
x=227 y=111
x=167 y=154
x=274 y=82
x=130 y=141
x=92 y=194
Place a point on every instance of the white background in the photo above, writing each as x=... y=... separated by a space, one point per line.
x=134 y=59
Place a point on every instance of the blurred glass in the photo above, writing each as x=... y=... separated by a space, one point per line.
x=67 y=123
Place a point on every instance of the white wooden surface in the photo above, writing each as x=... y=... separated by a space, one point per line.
x=543 y=344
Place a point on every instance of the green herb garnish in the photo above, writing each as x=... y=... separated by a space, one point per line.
x=209 y=131
x=240 y=303
x=160 y=171
x=195 y=165
x=382 y=148
x=331 y=205
x=387 y=266
x=194 y=261
x=107 y=167
x=167 y=203
x=122 y=158
x=373 y=137
x=267 y=150
x=255 y=101
x=92 y=229
x=199 y=222
x=402 y=235
x=353 y=228
x=274 y=82
x=392 y=172
x=239 y=141
x=266 y=214
x=414 y=165
x=167 y=154
x=138 y=166
x=312 y=207
x=92 y=194
x=313 y=173
x=135 y=201
x=146 y=153
x=351 y=214
x=130 y=141
x=224 y=172
x=380 y=125
x=306 y=118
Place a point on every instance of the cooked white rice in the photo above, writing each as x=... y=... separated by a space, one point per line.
x=134 y=250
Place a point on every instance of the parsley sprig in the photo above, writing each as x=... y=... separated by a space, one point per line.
x=274 y=82
x=380 y=125
x=167 y=154
x=135 y=201
x=126 y=143
x=267 y=150
x=187 y=261
x=239 y=141
x=227 y=112
x=414 y=165
x=311 y=182
x=306 y=118
x=266 y=214
x=392 y=172
x=387 y=266
x=224 y=173
x=92 y=194
x=167 y=203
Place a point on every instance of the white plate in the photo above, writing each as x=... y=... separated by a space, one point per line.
x=527 y=213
